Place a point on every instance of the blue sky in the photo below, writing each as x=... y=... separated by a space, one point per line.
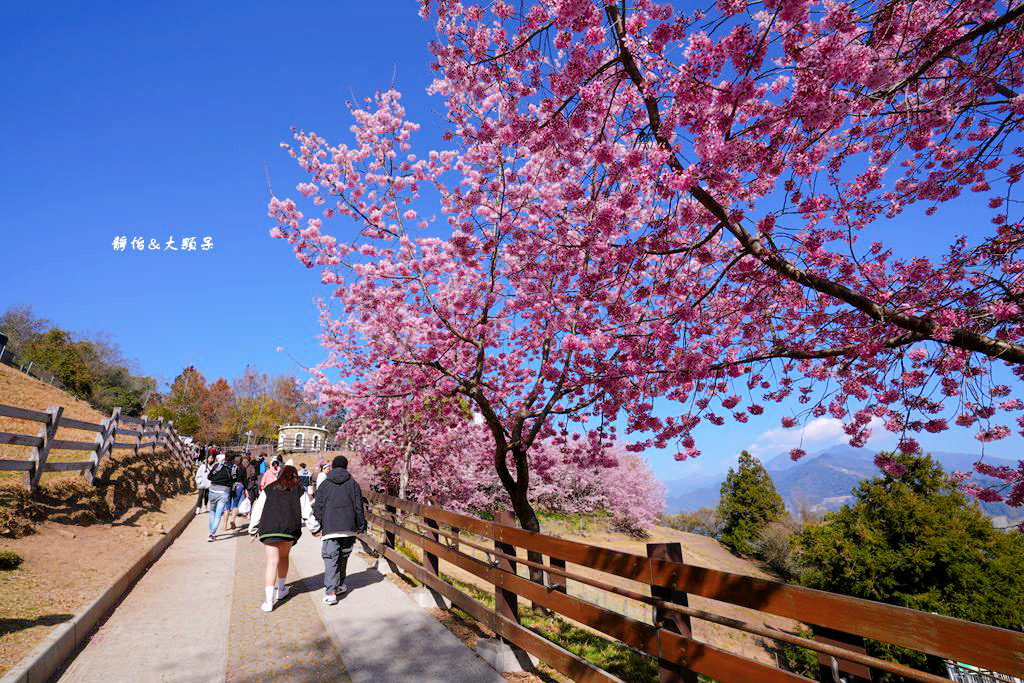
x=163 y=120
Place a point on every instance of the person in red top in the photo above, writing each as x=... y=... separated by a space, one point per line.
x=272 y=473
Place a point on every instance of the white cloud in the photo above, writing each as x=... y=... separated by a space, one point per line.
x=819 y=432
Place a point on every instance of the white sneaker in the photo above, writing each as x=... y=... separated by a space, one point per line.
x=267 y=607
x=199 y=510
x=331 y=599
x=283 y=593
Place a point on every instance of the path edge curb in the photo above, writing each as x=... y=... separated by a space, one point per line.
x=50 y=655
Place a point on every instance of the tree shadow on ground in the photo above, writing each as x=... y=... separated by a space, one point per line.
x=311 y=584
x=319 y=662
x=8 y=625
x=133 y=518
x=228 y=534
x=306 y=584
x=126 y=484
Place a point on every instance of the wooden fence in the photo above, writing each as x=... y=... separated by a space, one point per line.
x=160 y=434
x=494 y=551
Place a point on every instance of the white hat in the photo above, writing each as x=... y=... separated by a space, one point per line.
x=290 y=462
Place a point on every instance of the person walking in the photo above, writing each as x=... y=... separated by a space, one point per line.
x=237 y=491
x=277 y=518
x=203 y=484
x=272 y=473
x=221 y=481
x=322 y=477
x=339 y=513
x=252 y=479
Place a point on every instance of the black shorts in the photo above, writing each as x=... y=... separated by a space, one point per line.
x=267 y=539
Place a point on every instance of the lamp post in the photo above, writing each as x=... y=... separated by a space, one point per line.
x=248 y=434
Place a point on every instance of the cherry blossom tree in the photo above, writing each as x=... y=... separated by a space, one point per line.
x=635 y=498
x=641 y=204
x=443 y=458
x=439 y=455
x=732 y=160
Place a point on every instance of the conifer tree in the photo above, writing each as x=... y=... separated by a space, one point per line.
x=912 y=539
x=749 y=503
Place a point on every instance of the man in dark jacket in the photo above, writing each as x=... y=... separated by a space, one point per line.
x=252 y=479
x=339 y=510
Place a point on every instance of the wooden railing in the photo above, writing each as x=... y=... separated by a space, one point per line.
x=491 y=551
x=160 y=434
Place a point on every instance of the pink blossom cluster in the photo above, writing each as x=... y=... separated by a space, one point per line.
x=645 y=204
x=442 y=457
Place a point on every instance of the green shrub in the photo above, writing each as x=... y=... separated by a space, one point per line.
x=9 y=559
x=776 y=545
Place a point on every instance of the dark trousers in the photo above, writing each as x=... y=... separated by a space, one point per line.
x=335 y=553
x=204 y=498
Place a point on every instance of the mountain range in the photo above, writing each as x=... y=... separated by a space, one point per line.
x=822 y=481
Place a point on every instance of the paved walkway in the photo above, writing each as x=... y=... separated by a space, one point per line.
x=194 y=616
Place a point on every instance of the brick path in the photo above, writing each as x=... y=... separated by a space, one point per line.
x=194 y=616
x=290 y=643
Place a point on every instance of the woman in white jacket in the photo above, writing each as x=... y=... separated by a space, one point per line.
x=203 y=484
x=276 y=518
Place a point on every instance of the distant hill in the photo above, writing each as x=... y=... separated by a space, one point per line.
x=821 y=481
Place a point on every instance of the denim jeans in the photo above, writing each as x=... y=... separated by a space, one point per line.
x=237 y=493
x=218 y=503
x=335 y=553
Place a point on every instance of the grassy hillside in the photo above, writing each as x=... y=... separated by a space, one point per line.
x=21 y=390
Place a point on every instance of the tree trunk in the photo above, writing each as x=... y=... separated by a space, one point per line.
x=528 y=521
x=403 y=475
x=523 y=510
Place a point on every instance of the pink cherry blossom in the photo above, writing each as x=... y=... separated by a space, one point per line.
x=641 y=207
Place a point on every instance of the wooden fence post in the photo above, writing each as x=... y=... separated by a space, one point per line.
x=430 y=561
x=147 y=426
x=104 y=444
x=47 y=432
x=556 y=582
x=830 y=668
x=176 y=446
x=389 y=536
x=506 y=603
x=669 y=669
x=138 y=439
x=173 y=446
x=160 y=440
